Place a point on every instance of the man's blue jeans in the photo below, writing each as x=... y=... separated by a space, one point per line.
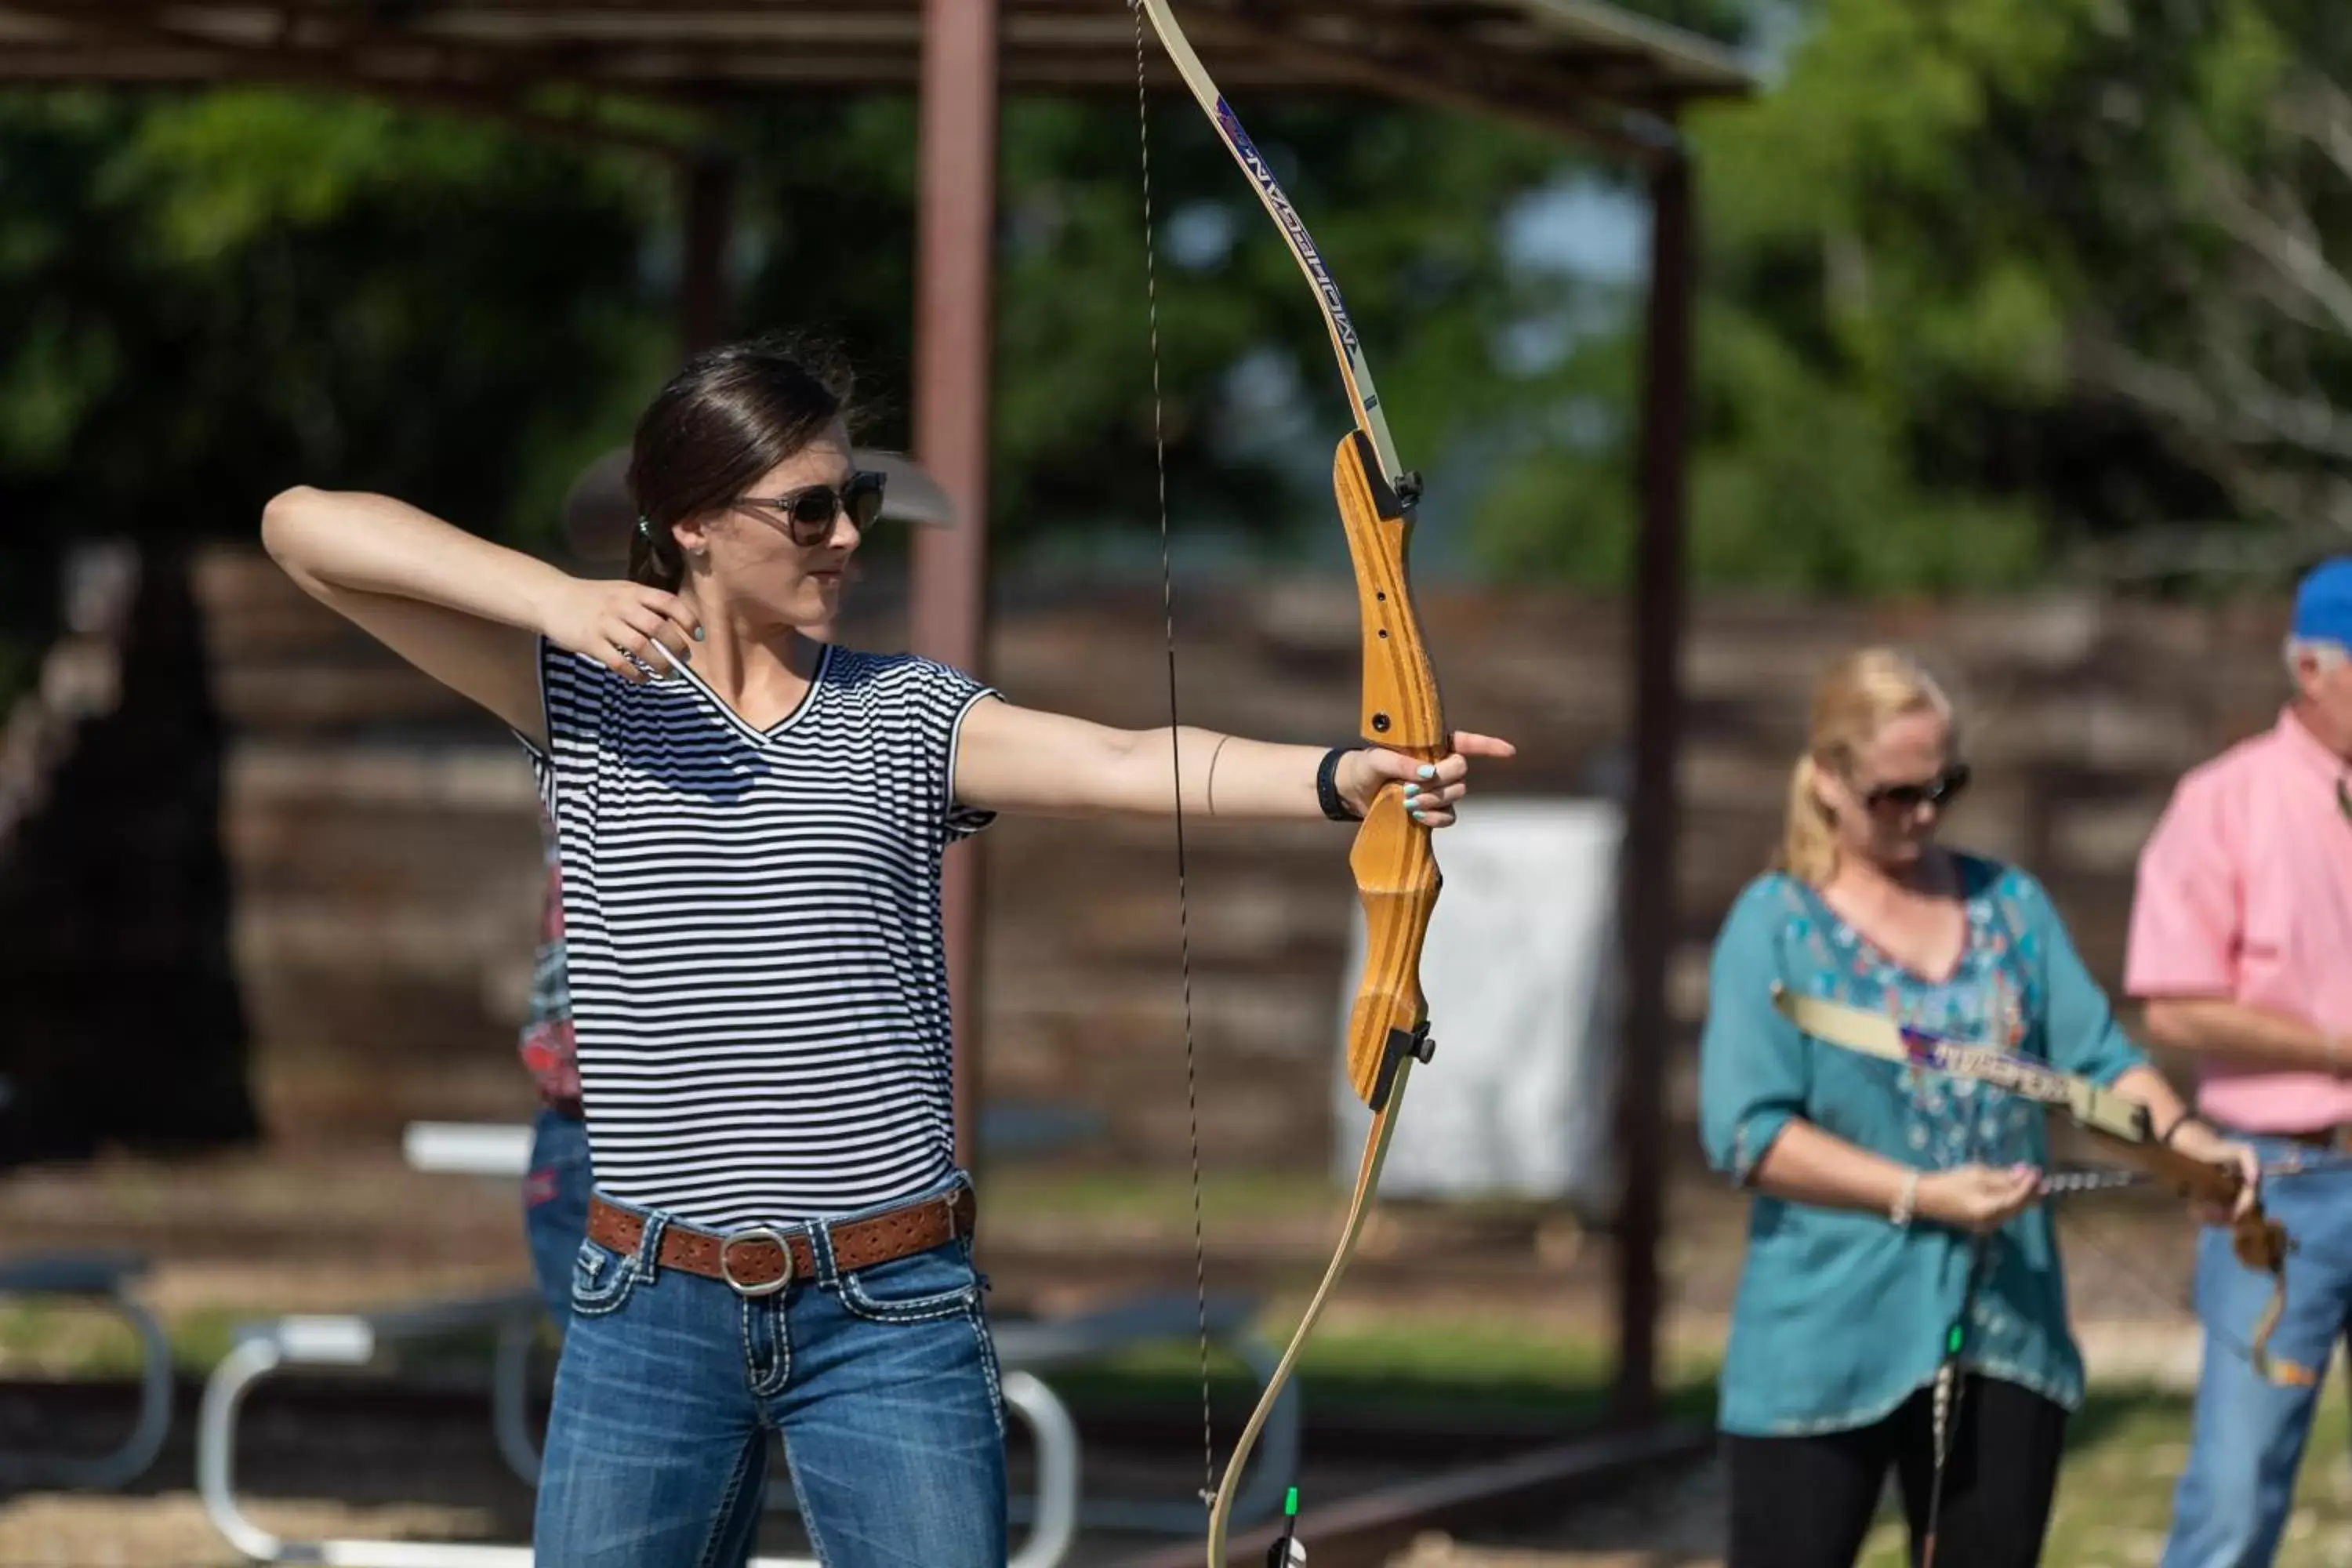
x=883 y=1384
x=2235 y=1493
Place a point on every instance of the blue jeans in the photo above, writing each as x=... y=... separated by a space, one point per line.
x=555 y=1206
x=2247 y=1444
x=883 y=1384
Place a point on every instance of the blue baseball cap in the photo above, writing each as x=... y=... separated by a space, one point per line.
x=2322 y=603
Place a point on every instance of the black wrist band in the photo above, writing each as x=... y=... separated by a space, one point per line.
x=1326 y=785
x=2183 y=1120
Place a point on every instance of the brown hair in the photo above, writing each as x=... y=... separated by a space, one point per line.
x=731 y=414
x=1859 y=693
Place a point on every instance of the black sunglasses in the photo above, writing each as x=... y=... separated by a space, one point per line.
x=1939 y=792
x=809 y=512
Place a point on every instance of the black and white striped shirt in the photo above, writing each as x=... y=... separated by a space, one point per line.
x=758 y=976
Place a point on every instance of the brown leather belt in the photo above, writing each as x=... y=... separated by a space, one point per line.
x=761 y=1262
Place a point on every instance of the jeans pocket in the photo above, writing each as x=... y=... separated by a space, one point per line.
x=938 y=1283
x=601 y=1279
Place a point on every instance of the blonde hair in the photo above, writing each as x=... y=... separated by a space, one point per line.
x=1861 y=692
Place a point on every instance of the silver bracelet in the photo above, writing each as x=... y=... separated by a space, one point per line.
x=1905 y=1199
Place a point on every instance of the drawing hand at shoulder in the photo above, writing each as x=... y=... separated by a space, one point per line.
x=611 y=622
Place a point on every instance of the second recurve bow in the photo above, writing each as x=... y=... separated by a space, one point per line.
x=2117 y=1123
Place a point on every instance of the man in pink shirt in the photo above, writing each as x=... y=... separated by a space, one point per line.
x=2241 y=949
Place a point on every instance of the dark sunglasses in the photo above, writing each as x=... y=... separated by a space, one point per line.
x=809 y=512
x=1939 y=792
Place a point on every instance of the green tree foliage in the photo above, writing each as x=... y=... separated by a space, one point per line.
x=224 y=293
x=213 y=296
x=2022 y=239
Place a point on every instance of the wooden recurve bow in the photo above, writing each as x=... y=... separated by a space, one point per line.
x=1395 y=873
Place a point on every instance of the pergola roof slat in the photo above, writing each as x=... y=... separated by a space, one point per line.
x=1567 y=65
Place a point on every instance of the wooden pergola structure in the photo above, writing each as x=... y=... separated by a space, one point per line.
x=1576 y=69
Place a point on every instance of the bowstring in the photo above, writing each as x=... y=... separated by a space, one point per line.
x=1175 y=761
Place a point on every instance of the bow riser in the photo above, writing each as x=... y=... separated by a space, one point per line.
x=1395 y=873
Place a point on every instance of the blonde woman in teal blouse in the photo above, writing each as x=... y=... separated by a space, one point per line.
x=1897 y=1214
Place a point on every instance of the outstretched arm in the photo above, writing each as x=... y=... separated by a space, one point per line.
x=1025 y=761
x=465 y=611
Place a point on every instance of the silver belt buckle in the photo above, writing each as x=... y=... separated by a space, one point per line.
x=756 y=1233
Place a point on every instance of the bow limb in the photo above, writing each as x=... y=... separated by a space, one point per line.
x=1353 y=371
x=2261 y=1244
x=1360 y=1207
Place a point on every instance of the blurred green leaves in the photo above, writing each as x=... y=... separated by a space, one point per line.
x=224 y=293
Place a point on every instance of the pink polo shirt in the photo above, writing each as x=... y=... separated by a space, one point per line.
x=2245 y=892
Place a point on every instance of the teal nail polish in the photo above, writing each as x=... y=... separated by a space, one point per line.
x=698 y=634
x=1429 y=769
x=1411 y=790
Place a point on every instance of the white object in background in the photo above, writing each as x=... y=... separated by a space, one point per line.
x=468 y=1148
x=1519 y=970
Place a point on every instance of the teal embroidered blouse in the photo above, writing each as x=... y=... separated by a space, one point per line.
x=1842 y=1314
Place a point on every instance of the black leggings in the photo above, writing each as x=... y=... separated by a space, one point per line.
x=1806 y=1502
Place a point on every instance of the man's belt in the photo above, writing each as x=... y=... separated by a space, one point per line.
x=761 y=1261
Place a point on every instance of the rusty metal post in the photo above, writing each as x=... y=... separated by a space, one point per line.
x=1654 y=816
x=706 y=285
x=954 y=298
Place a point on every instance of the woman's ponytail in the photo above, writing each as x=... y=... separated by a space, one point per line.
x=654 y=557
x=1809 y=849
